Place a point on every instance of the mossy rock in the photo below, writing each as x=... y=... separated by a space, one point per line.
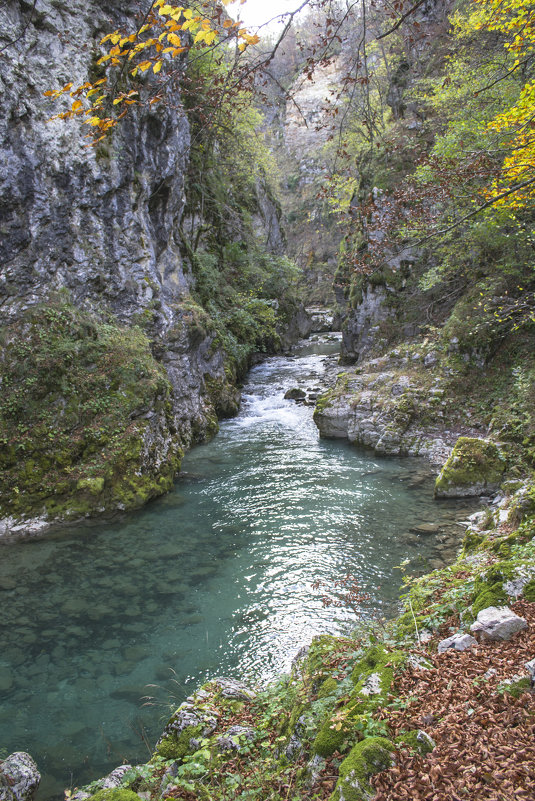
x=324 y=402
x=177 y=744
x=471 y=542
x=374 y=673
x=365 y=759
x=475 y=467
x=329 y=739
x=491 y=596
x=418 y=740
x=115 y=794
x=528 y=593
x=85 y=414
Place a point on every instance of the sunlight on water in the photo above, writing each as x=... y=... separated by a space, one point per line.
x=213 y=579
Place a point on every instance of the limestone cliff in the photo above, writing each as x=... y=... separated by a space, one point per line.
x=93 y=234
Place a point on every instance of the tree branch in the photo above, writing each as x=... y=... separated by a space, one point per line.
x=25 y=28
x=476 y=211
x=401 y=20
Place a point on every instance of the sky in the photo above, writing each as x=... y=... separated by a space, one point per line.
x=258 y=12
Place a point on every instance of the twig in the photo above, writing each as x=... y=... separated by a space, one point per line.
x=25 y=28
x=415 y=623
x=401 y=20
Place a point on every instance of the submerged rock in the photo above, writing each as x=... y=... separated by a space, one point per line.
x=295 y=394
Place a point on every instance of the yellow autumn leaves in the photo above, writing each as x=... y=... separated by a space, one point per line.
x=514 y=20
x=157 y=40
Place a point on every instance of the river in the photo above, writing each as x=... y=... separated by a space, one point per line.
x=106 y=627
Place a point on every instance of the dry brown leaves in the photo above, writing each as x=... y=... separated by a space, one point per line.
x=485 y=740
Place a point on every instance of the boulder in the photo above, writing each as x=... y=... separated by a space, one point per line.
x=19 y=777
x=457 y=642
x=475 y=467
x=498 y=623
x=295 y=394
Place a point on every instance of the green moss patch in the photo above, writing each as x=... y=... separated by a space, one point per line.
x=115 y=794
x=474 y=467
x=82 y=401
x=177 y=744
x=366 y=758
x=378 y=664
x=418 y=741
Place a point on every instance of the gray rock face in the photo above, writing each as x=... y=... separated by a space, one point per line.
x=374 y=407
x=360 y=327
x=115 y=778
x=234 y=737
x=235 y=690
x=457 y=642
x=498 y=623
x=19 y=777
x=99 y=222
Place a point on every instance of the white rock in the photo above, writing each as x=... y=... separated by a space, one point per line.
x=516 y=584
x=372 y=685
x=458 y=642
x=418 y=662
x=115 y=778
x=19 y=777
x=498 y=623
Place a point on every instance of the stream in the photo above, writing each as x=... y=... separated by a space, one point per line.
x=107 y=627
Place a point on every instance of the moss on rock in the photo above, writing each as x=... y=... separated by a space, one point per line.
x=528 y=593
x=85 y=416
x=374 y=673
x=115 y=794
x=471 y=542
x=418 y=740
x=330 y=739
x=475 y=467
x=491 y=596
x=365 y=759
x=176 y=745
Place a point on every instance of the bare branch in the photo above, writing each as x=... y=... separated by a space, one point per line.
x=25 y=28
x=401 y=20
x=477 y=211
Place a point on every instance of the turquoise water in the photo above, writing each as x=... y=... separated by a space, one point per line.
x=214 y=579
